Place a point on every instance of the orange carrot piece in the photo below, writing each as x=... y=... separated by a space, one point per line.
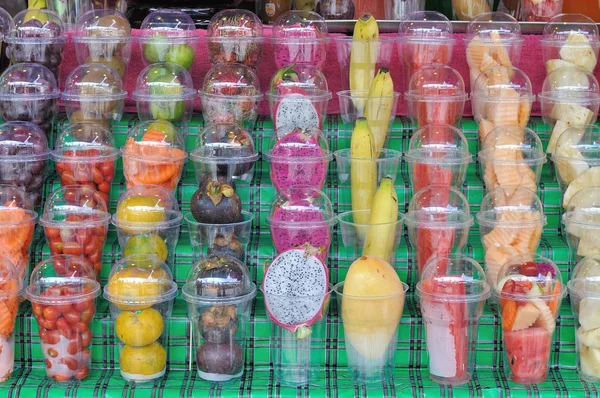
x=554 y=303
x=509 y=313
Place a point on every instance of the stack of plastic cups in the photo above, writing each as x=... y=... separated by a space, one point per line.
x=452 y=294
x=582 y=224
x=11 y=291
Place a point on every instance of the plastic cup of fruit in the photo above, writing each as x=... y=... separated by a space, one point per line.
x=85 y=154
x=168 y=35
x=298 y=158
x=6 y=25
x=23 y=156
x=75 y=222
x=300 y=38
x=94 y=93
x=466 y=10
x=570 y=41
x=568 y=98
x=452 y=293
x=37 y=37
x=303 y=215
x=148 y=222
x=235 y=36
x=511 y=219
x=11 y=291
x=63 y=291
x=540 y=11
x=154 y=153
x=103 y=36
x=530 y=291
x=501 y=95
x=353 y=104
x=511 y=155
x=437 y=154
x=582 y=223
x=219 y=295
x=28 y=92
x=424 y=38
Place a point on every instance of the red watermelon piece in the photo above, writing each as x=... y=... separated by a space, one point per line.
x=433 y=243
x=426 y=174
x=438 y=112
x=421 y=53
x=528 y=352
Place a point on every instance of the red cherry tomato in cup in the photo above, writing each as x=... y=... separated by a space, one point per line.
x=82 y=372
x=50 y=336
x=63 y=327
x=72 y=316
x=529 y=268
x=51 y=313
x=86 y=338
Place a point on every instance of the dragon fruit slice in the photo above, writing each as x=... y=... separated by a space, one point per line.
x=295 y=287
x=303 y=45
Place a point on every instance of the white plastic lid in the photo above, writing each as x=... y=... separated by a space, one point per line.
x=80 y=139
x=507 y=199
x=300 y=25
x=438 y=206
x=494 y=26
x=440 y=144
x=570 y=85
x=559 y=28
x=234 y=24
x=107 y=25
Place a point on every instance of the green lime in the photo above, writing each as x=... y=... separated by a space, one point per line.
x=166 y=84
x=181 y=54
x=165 y=127
x=167 y=110
x=156 y=49
x=156 y=71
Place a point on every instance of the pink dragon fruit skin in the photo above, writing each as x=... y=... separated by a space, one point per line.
x=301 y=48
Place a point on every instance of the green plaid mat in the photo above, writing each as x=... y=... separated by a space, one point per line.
x=410 y=376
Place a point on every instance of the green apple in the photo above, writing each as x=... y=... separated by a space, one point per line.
x=156 y=49
x=167 y=110
x=165 y=85
x=181 y=54
x=156 y=71
x=166 y=128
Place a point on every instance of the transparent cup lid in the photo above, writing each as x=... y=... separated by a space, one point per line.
x=224 y=143
x=84 y=142
x=10 y=280
x=507 y=205
x=146 y=206
x=583 y=210
x=24 y=139
x=155 y=140
x=572 y=85
x=438 y=144
x=298 y=79
x=438 y=206
x=300 y=25
x=298 y=146
x=234 y=24
x=436 y=83
x=168 y=23
x=102 y=25
x=28 y=81
x=512 y=143
x=231 y=80
x=13 y=197
x=567 y=27
x=425 y=26
x=585 y=279
x=6 y=22
x=296 y=202
x=164 y=81
x=502 y=84
x=529 y=269
x=495 y=27
x=579 y=144
x=75 y=206
x=39 y=25
x=94 y=82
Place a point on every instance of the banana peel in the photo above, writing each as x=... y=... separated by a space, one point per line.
x=381 y=235
x=379 y=106
x=363 y=58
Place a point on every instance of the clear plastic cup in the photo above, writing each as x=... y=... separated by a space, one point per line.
x=168 y=35
x=28 y=93
x=305 y=215
x=582 y=224
x=23 y=156
x=399 y=9
x=63 y=291
x=230 y=94
x=298 y=158
x=148 y=222
x=511 y=155
x=75 y=222
x=154 y=153
x=300 y=37
x=298 y=98
x=501 y=95
x=570 y=41
x=438 y=221
x=6 y=25
x=104 y=37
x=219 y=294
x=224 y=152
x=235 y=36
x=436 y=95
x=85 y=154
x=530 y=291
x=437 y=154
x=452 y=293
x=94 y=93
x=11 y=290
x=511 y=220
x=141 y=293
x=37 y=37
x=336 y=9
x=540 y=11
x=466 y=10
x=570 y=97
x=165 y=91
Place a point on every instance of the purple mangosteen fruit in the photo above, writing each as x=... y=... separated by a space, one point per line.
x=225 y=359
x=218 y=324
x=216 y=203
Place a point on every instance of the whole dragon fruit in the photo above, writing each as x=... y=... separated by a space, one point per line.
x=295 y=288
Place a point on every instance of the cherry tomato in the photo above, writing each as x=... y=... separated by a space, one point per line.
x=72 y=316
x=64 y=328
x=87 y=315
x=108 y=169
x=529 y=268
x=62 y=378
x=86 y=338
x=52 y=233
x=104 y=187
x=97 y=176
x=52 y=352
x=50 y=336
x=67 y=178
x=70 y=362
x=51 y=313
x=73 y=218
x=82 y=306
x=82 y=373
x=82 y=175
x=80 y=327
x=53 y=291
x=37 y=309
x=95 y=256
x=509 y=286
x=72 y=248
x=82 y=236
x=48 y=364
x=70 y=195
x=92 y=246
x=74 y=346
x=86 y=355
x=56 y=247
x=63 y=308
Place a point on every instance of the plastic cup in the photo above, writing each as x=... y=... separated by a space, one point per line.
x=570 y=41
x=511 y=155
x=501 y=96
x=63 y=291
x=154 y=153
x=356 y=234
x=168 y=35
x=85 y=154
x=400 y=9
x=336 y=9
x=230 y=94
x=141 y=293
x=437 y=154
x=11 y=290
x=511 y=219
x=148 y=222
x=370 y=333
x=466 y=10
x=230 y=239
x=540 y=11
x=104 y=36
x=37 y=37
x=219 y=294
x=530 y=291
x=438 y=221
x=582 y=224
x=235 y=36
x=23 y=156
x=298 y=158
x=75 y=222
x=452 y=293
x=6 y=25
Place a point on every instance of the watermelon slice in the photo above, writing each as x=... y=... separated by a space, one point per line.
x=426 y=174
x=528 y=352
x=433 y=243
x=439 y=112
x=420 y=53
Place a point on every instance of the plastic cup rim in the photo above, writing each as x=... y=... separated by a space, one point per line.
x=209 y=96
x=269 y=157
x=466 y=223
x=391 y=155
x=225 y=39
x=592 y=42
x=152 y=300
x=75 y=298
x=303 y=40
x=524 y=297
x=566 y=219
x=581 y=293
x=149 y=226
x=455 y=298
x=322 y=95
x=340 y=217
x=540 y=158
x=329 y=222
x=32 y=216
x=412 y=97
x=121 y=95
x=502 y=100
x=350 y=39
x=102 y=39
x=10 y=38
x=441 y=40
x=59 y=157
x=170 y=39
x=47 y=221
x=314 y=296
x=144 y=95
x=509 y=224
x=194 y=299
x=364 y=94
x=411 y=156
x=155 y=159
x=248 y=218
x=194 y=157
x=517 y=39
x=336 y=290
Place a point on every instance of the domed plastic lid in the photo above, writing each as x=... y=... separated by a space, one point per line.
x=145 y=207
x=93 y=82
x=585 y=279
x=164 y=81
x=299 y=79
x=583 y=210
x=301 y=200
x=453 y=270
x=568 y=84
x=11 y=283
x=438 y=206
x=170 y=23
x=14 y=200
x=151 y=138
x=436 y=83
x=62 y=279
x=311 y=145
x=300 y=25
x=502 y=201
x=6 y=22
x=84 y=142
x=75 y=200
x=231 y=80
x=426 y=26
x=502 y=84
x=494 y=26
x=512 y=143
x=579 y=144
x=224 y=143
x=39 y=25
x=438 y=144
x=559 y=28
x=541 y=272
x=236 y=24
x=107 y=25
x=140 y=273
x=26 y=137
x=218 y=278
x=28 y=81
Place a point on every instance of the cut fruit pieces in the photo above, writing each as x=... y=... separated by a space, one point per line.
x=546 y=318
x=553 y=64
x=572 y=114
x=557 y=130
x=590 y=360
x=577 y=49
x=590 y=338
x=525 y=317
x=589 y=178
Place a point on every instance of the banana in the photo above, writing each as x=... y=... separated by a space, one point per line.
x=384 y=214
x=363 y=57
x=33 y=6
x=379 y=106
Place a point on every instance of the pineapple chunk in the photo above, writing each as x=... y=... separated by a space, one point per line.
x=589 y=314
x=571 y=114
x=577 y=50
x=526 y=316
x=589 y=243
x=590 y=360
x=559 y=128
x=553 y=64
x=590 y=338
x=589 y=178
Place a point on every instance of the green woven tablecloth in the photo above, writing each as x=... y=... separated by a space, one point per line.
x=410 y=376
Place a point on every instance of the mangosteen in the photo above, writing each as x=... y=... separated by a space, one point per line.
x=226 y=245
x=221 y=276
x=206 y=178
x=220 y=358
x=216 y=203
x=237 y=145
x=218 y=324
